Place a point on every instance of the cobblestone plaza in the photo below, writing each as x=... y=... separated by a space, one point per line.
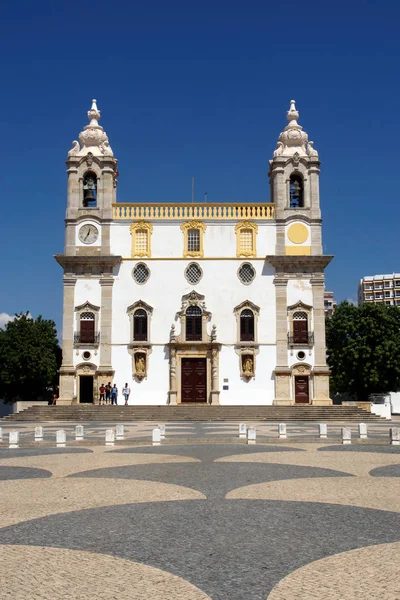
x=295 y=518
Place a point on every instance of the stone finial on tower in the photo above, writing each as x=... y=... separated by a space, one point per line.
x=293 y=140
x=93 y=138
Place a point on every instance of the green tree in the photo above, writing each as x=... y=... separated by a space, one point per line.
x=29 y=356
x=363 y=347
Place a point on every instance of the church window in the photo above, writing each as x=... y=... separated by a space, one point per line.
x=296 y=191
x=247 y=325
x=141 y=238
x=141 y=273
x=193 y=240
x=193 y=273
x=246 y=232
x=87 y=325
x=141 y=245
x=90 y=190
x=246 y=273
x=300 y=327
x=193 y=324
x=140 y=325
x=193 y=232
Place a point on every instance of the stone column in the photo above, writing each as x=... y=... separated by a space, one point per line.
x=321 y=371
x=172 y=376
x=215 y=376
x=282 y=371
x=106 y=322
x=67 y=371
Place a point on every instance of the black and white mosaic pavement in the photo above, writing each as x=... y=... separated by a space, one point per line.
x=236 y=549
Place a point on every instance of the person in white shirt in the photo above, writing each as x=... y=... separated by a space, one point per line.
x=126 y=393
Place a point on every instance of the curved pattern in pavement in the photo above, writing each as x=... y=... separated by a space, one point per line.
x=228 y=549
x=379 y=448
x=57 y=574
x=22 y=452
x=214 y=480
x=388 y=471
x=367 y=574
x=8 y=473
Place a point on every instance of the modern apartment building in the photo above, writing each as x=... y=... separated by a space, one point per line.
x=380 y=289
x=329 y=304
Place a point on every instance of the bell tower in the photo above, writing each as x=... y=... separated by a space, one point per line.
x=88 y=262
x=301 y=373
x=92 y=182
x=294 y=178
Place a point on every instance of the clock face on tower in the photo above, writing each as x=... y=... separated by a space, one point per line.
x=88 y=234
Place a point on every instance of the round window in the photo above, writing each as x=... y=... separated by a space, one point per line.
x=246 y=273
x=86 y=355
x=141 y=273
x=301 y=355
x=193 y=273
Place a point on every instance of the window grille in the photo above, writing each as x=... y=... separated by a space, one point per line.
x=246 y=240
x=246 y=273
x=141 y=241
x=247 y=326
x=193 y=240
x=87 y=316
x=193 y=324
x=141 y=273
x=300 y=316
x=140 y=325
x=193 y=273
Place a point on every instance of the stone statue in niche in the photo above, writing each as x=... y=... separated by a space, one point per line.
x=140 y=366
x=248 y=366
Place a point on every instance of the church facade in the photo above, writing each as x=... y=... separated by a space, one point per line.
x=194 y=303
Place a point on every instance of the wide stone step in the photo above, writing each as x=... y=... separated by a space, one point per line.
x=193 y=413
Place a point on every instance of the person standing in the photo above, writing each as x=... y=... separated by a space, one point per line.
x=126 y=392
x=114 y=394
x=108 y=392
x=102 y=390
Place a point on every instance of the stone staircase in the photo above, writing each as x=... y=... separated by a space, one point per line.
x=165 y=413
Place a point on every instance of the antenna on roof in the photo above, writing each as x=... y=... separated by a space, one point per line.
x=192 y=189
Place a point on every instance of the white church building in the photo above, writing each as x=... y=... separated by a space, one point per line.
x=194 y=303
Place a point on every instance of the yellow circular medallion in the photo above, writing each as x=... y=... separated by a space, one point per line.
x=298 y=233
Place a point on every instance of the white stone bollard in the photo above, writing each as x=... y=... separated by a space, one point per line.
x=251 y=435
x=394 y=433
x=110 y=437
x=323 y=431
x=282 y=430
x=79 y=432
x=61 y=438
x=362 y=431
x=39 y=434
x=1 y=434
x=242 y=430
x=119 y=432
x=13 y=439
x=346 y=435
x=162 y=431
x=156 y=438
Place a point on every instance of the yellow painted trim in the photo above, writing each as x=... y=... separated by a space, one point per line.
x=240 y=260
x=297 y=233
x=298 y=250
x=141 y=226
x=240 y=251
x=185 y=229
x=204 y=211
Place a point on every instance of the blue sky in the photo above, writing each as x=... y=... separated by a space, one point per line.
x=198 y=89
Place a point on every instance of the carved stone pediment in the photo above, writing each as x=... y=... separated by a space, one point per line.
x=87 y=306
x=299 y=306
x=140 y=304
x=247 y=304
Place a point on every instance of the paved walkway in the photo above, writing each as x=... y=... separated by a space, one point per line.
x=141 y=431
x=200 y=521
